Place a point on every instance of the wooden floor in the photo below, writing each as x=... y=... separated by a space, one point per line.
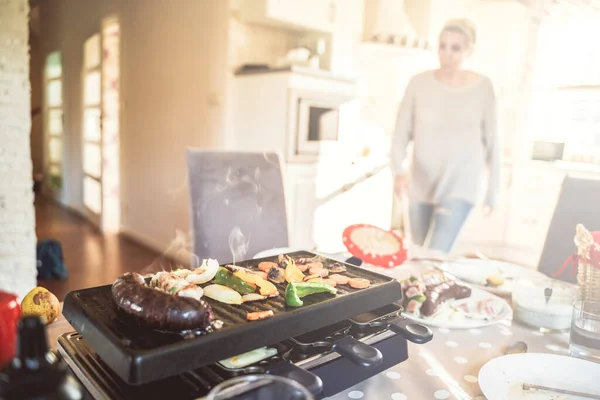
x=92 y=258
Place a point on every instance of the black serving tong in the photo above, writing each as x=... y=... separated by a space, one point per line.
x=389 y=317
x=337 y=338
x=279 y=365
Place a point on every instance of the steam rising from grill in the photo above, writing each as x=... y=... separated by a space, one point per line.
x=238 y=244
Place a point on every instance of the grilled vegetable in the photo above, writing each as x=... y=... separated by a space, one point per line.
x=292 y=273
x=235 y=268
x=204 y=273
x=262 y=274
x=252 y=297
x=276 y=274
x=295 y=291
x=304 y=260
x=249 y=358
x=414 y=304
x=315 y=264
x=494 y=280
x=266 y=287
x=258 y=315
x=223 y=294
x=311 y=276
x=265 y=266
x=336 y=268
x=283 y=260
x=226 y=278
x=319 y=280
x=171 y=283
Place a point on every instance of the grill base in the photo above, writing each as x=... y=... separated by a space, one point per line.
x=336 y=372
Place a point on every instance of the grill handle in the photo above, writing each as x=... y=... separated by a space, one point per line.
x=358 y=353
x=411 y=331
x=310 y=381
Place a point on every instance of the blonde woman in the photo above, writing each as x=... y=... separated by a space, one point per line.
x=449 y=114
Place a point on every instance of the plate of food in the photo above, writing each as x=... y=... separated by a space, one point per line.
x=497 y=277
x=528 y=377
x=436 y=298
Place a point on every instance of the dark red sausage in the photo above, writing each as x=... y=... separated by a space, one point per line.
x=158 y=309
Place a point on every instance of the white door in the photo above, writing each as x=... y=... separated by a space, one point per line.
x=101 y=127
x=92 y=127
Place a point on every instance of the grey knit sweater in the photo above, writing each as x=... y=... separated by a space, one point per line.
x=453 y=131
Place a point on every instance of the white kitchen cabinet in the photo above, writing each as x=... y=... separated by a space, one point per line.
x=317 y=220
x=304 y=15
x=301 y=196
x=517 y=229
x=533 y=199
x=368 y=202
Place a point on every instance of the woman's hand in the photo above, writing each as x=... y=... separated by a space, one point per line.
x=487 y=210
x=400 y=185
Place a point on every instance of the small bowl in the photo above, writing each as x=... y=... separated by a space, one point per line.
x=545 y=304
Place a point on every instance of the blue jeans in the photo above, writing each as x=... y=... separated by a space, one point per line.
x=436 y=226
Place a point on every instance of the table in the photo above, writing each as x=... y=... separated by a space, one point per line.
x=445 y=368
x=448 y=366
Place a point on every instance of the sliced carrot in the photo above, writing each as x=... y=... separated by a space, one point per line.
x=258 y=315
x=341 y=279
x=359 y=283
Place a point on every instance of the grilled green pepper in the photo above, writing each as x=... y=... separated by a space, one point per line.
x=296 y=290
x=226 y=278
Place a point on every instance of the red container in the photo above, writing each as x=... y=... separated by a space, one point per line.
x=10 y=312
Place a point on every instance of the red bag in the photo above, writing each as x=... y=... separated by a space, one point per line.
x=10 y=312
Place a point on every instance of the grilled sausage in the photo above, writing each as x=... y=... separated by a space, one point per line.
x=157 y=309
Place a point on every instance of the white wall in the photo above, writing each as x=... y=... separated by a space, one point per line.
x=17 y=219
x=173 y=78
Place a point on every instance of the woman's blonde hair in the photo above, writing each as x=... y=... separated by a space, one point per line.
x=464 y=26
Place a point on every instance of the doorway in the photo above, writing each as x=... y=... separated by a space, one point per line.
x=101 y=123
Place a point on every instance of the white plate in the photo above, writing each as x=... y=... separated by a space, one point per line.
x=475 y=273
x=502 y=377
x=458 y=323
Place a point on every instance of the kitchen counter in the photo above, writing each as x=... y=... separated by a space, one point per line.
x=297 y=69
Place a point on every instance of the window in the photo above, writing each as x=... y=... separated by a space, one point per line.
x=566 y=97
x=54 y=121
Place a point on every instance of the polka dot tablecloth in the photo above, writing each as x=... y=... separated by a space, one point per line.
x=448 y=366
